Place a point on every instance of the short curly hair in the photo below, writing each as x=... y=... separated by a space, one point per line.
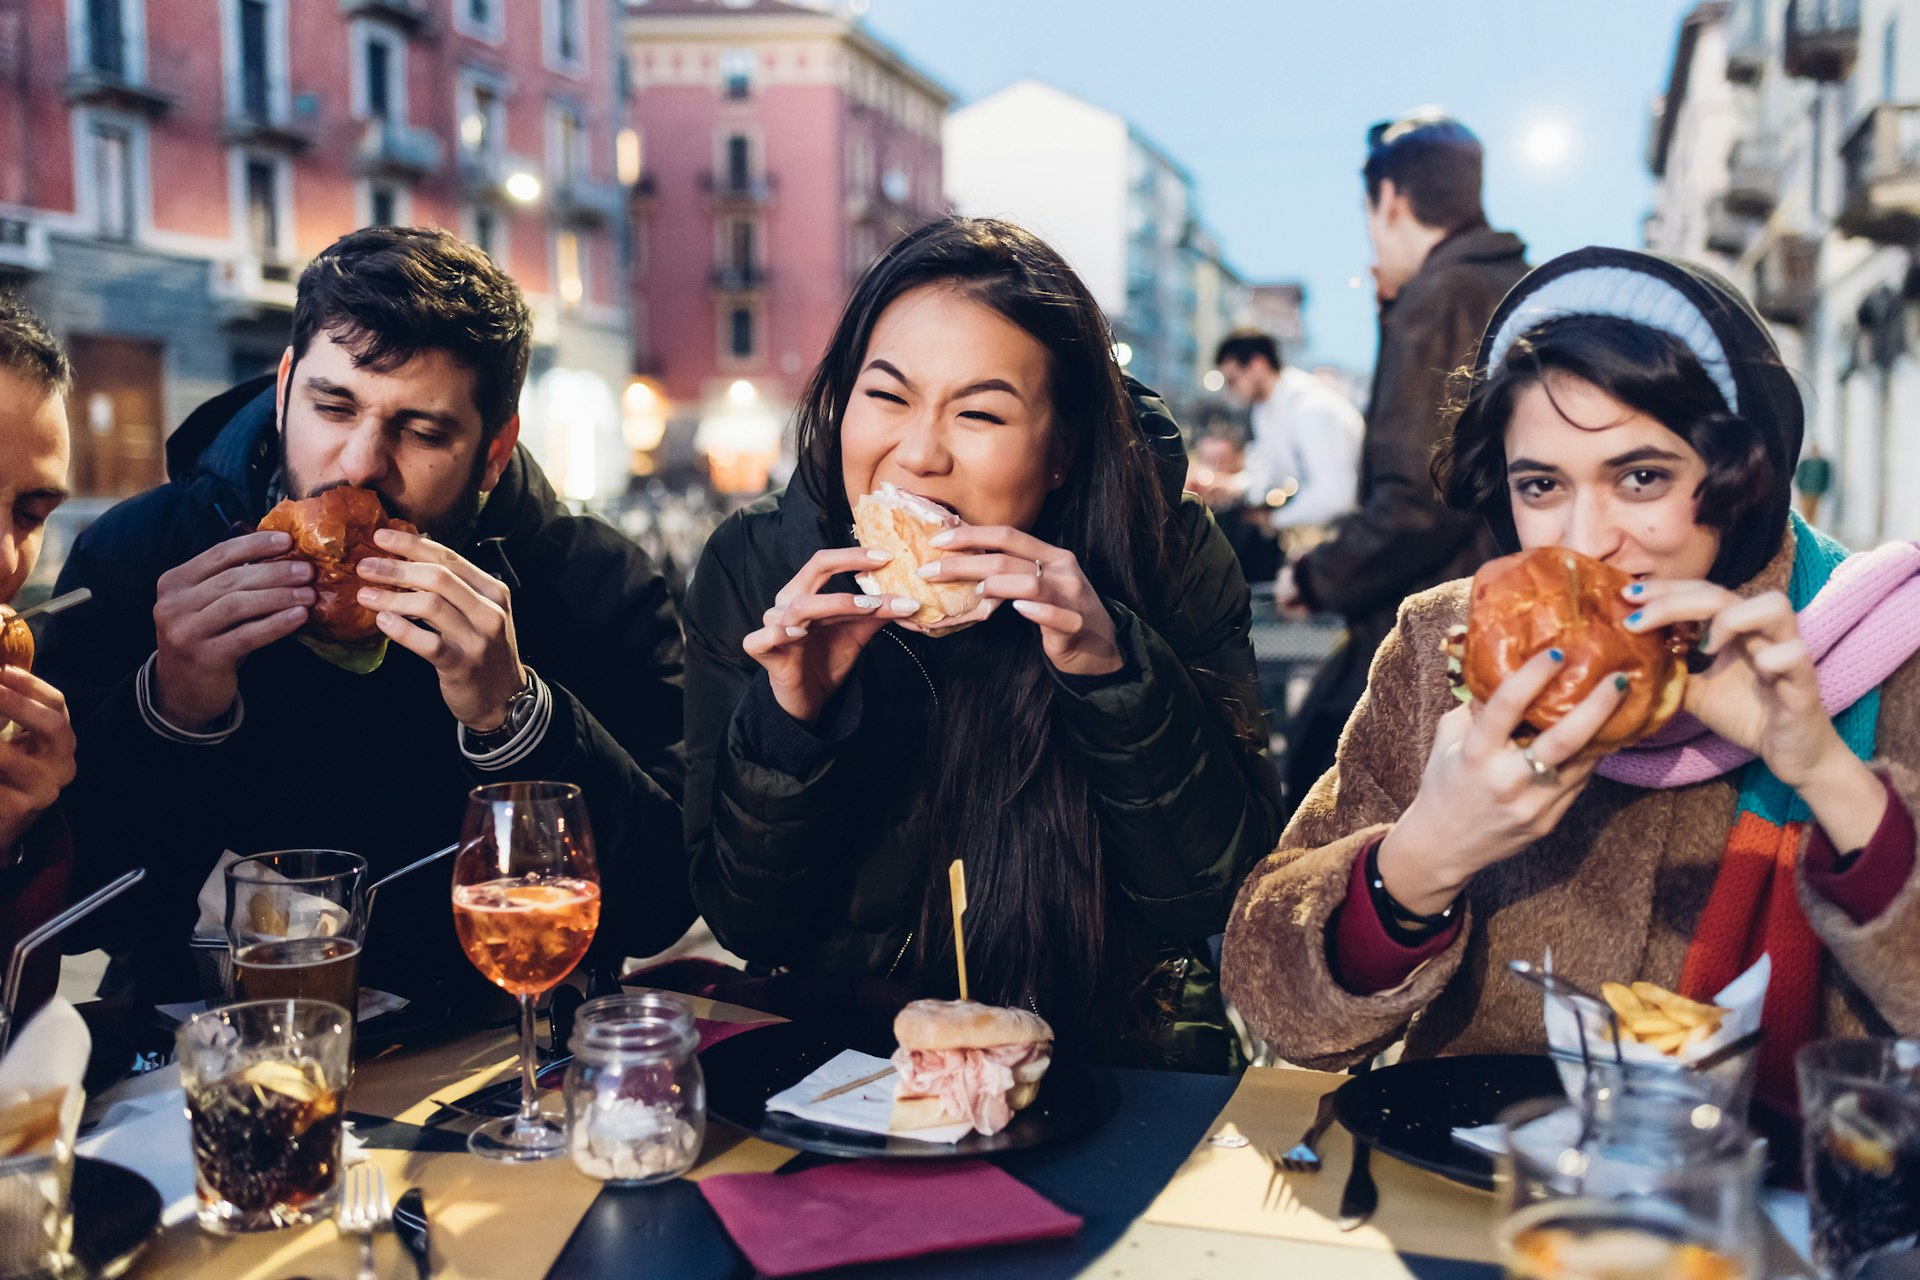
x=29 y=349
x=1643 y=368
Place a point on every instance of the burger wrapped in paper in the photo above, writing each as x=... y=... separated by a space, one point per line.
x=891 y=519
x=963 y=1061
x=333 y=531
x=1552 y=597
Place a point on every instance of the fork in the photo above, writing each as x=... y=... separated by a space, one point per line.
x=364 y=1209
x=1302 y=1157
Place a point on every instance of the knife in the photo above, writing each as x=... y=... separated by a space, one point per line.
x=410 y=1224
x=1359 y=1197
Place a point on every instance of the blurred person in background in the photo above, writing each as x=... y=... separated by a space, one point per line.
x=1216 y=476
x=1094 y=751
x=37 y=748
x=1303 y=466
x=1440 y=271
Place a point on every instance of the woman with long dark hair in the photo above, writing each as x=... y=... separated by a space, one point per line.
x=1632 y=408
x=1093 y=751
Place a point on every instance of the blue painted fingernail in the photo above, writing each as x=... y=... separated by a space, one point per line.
x=1556 y=655
x=1620 y=684
x=1633 y=619
x=1637 y=590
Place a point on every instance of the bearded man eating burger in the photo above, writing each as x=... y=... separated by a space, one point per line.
x=221 y=702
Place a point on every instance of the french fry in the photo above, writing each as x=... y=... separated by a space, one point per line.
x=1678 y=1006
x=1667 y=1042
x=1622 y=999
x=1699 y=1033
x=1662 y=1020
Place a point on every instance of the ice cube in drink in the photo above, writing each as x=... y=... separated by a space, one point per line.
x=266 y=1146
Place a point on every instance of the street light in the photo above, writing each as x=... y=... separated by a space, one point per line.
x=523 y=187
x=1122 y=354
x=742 y=393
x=1213 y=380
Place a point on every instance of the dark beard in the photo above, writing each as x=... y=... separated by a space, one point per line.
x=452 y=527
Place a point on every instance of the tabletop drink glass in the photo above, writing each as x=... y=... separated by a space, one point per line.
x=296 y=920
x=526 y=902
x=1860 y=1154
x=266 y=1084
x=1646 y=1180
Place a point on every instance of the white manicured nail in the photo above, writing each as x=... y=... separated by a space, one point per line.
x=902 y=604
x=866 y=602
x=796 y=632
x=879 y=557
x=940 y=539
x=1025 y=606
x=928 y=569
x=979 y=588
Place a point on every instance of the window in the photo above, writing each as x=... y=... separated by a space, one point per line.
x=740 y=247
x=263 y=209
x=1816 y=154
x=567 y=140
x=489 y=234
x=107 y=37
x=482 y=121
x=1889 y=45
x=256 y=99
x=739 y=162
x=740 y=333
x=383 y=206
x=567 y=270
x=566 y=36
x=481 y=19
x=113 y=181
x=626 y=156
x=736 y=72
x=380 y=80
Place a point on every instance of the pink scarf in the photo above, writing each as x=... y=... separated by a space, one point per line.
x=1860 y=627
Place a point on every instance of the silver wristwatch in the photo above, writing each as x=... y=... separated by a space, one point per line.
x=519 y=710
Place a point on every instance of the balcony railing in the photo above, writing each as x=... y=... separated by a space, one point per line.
x=398 y=150
x=1880 y=166
x=248 y=287
x=255 y=124
x=1786 y=279
x=23 y=245
x=1822 y=39
x=93 y=86
x=731 y=278
x=738 y=188
x=1753 y=178
x=584 y=203
x=410 y=15
x=1728 y=232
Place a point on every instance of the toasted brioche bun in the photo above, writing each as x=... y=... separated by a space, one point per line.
x=333 y=532
x=16 y=640
x=1553 y=597
x=966 y=1024
x=891 y=519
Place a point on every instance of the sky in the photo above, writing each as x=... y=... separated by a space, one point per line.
x=1267 y=102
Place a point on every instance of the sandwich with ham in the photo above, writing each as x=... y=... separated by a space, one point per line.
x=963 y=1062
x=905 y=524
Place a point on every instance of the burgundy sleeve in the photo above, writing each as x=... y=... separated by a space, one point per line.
x=1365 y=958
x=1864 y=882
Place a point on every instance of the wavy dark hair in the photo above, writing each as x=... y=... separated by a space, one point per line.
x=1645 y=369
x=1002 y=796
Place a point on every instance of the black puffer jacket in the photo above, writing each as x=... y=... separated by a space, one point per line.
x=825 y=872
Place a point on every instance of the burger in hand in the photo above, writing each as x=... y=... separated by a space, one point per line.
x=962 y=1061
x=891 y=519
x=1556 y=598
x=333 y=531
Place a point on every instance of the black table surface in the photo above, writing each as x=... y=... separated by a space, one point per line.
x=1107 y=1176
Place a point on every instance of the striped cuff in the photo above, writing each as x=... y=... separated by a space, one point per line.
x=521 y=744
x=143 y=697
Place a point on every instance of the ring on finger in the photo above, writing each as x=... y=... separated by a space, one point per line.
x=1543 y=773
x=1039 y=571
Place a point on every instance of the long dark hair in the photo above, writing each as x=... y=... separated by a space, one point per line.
x=1645 y=369
x=1002 y=796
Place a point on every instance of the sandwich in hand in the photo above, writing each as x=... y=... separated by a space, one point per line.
x=959 y=1061
x=333 y=531
x=16 y=639
x=1555 y=598
x=891 y=519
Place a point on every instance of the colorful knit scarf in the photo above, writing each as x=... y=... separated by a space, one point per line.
x=1860 y=629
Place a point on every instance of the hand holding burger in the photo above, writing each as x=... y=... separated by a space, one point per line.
x=37 y=743
x=1556 y=679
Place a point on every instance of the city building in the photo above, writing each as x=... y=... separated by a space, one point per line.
x=166 y=170
x=1816 y=216
x=1115 y=205
x=779 y=148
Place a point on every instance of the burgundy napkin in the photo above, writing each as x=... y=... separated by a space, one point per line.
x=836 y=1215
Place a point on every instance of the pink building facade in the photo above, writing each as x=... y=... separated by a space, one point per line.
x=781 y=149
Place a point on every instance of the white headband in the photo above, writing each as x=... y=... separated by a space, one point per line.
x=1627 y=295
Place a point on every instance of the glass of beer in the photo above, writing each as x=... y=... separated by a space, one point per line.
x=526 y=902
x=266 y=1084
x=1659 y=1189
x=1860 y=1153
x=295 y=922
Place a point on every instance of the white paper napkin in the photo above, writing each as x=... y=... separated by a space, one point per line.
x=866 y=1109
x=49 y=1052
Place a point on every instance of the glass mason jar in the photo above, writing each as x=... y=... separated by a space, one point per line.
x=636 y=1100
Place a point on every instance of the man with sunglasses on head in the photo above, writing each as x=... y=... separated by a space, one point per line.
x=1439 y=271
x=516 y=640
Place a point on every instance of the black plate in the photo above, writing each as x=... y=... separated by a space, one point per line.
x=1410 y=1109
x=744 y=1071
x=115 y=1213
